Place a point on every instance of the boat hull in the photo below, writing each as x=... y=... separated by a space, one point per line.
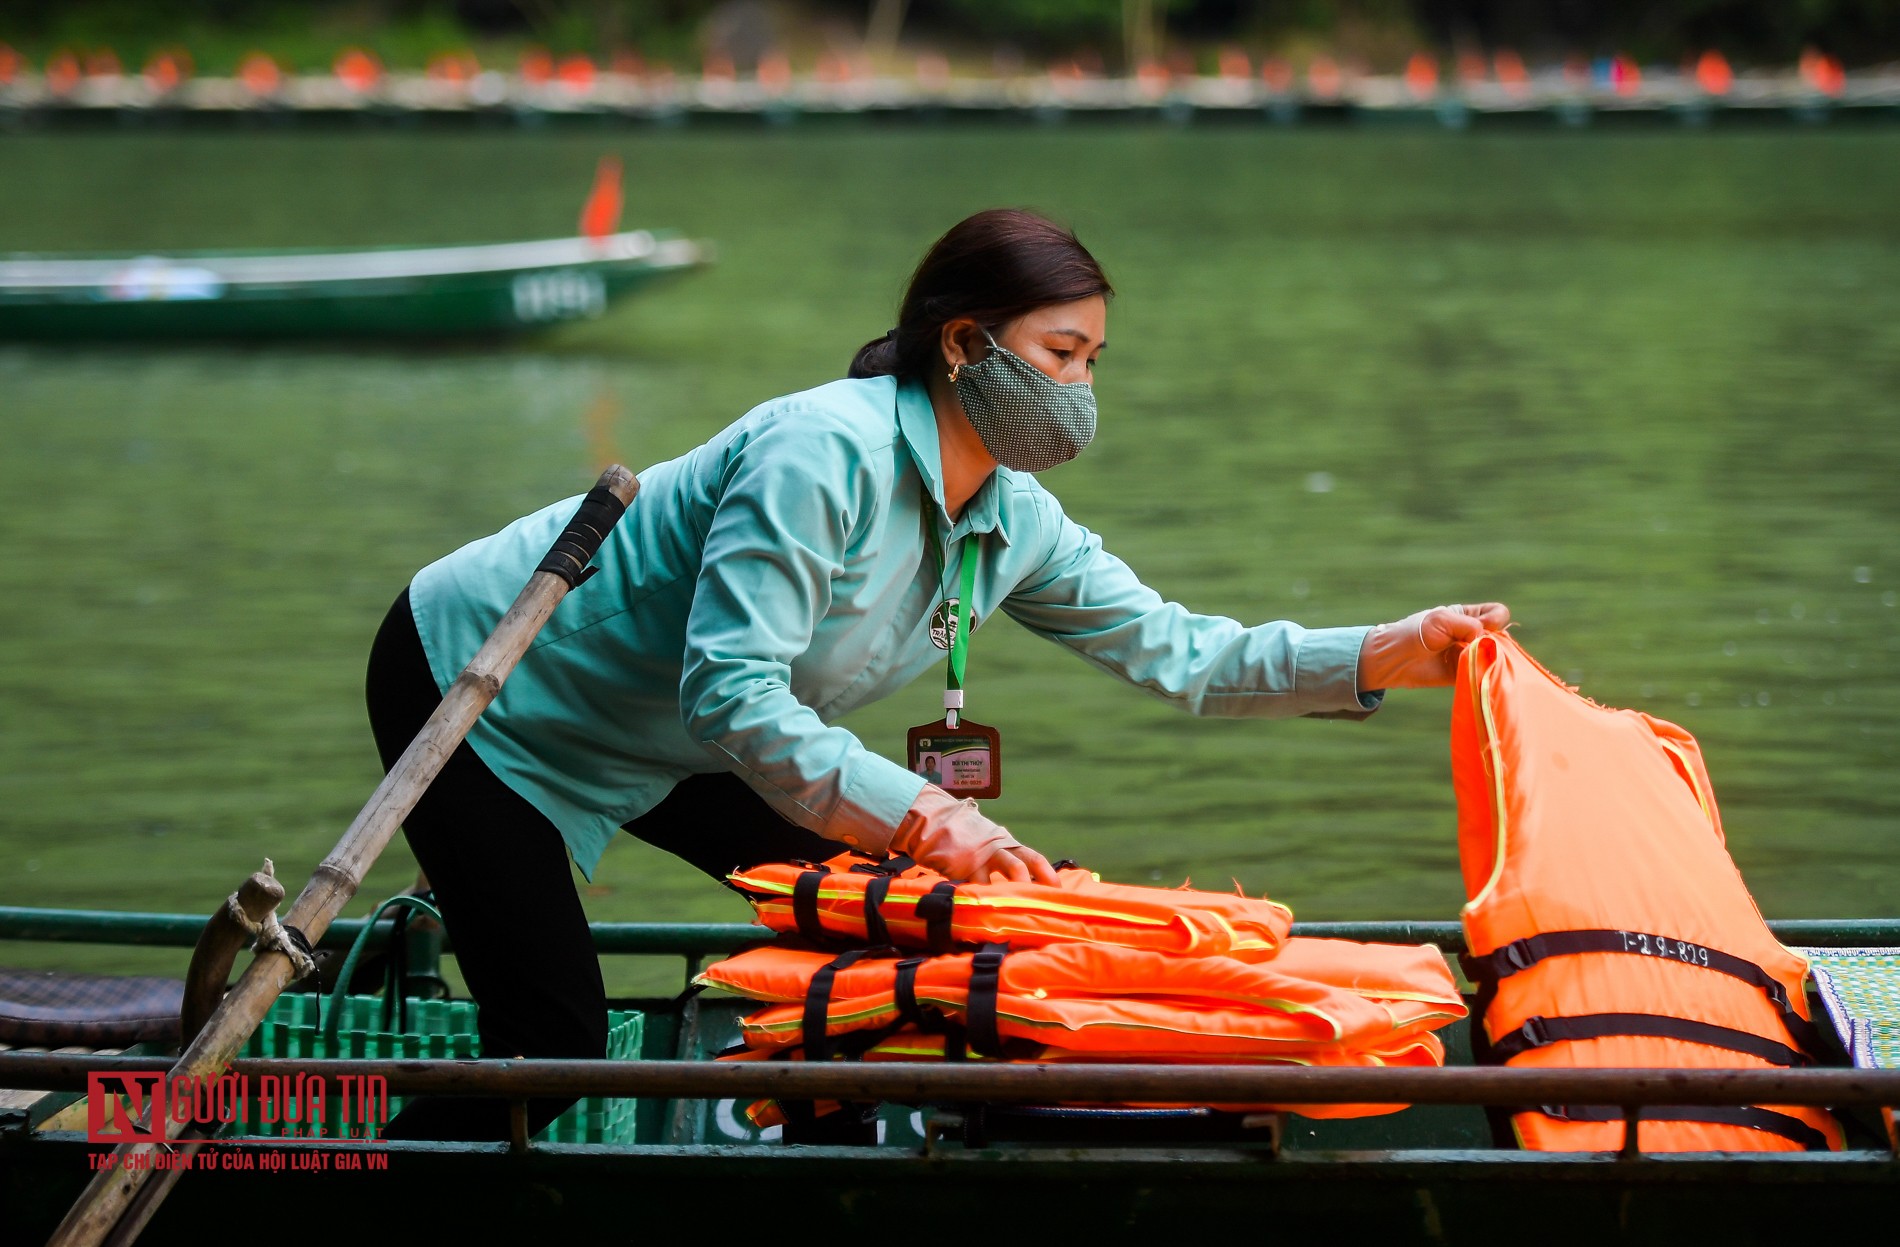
x=495 y=290
x=558 y=1191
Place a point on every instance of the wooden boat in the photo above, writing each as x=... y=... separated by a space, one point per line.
x=1428 y=1174
x=428 y=291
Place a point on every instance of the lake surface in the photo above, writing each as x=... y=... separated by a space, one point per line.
x=1645 y=388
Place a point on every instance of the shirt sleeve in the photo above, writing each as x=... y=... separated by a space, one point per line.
x=790 y=501
x=1090 y=601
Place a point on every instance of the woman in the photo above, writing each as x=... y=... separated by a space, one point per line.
x=812 y=557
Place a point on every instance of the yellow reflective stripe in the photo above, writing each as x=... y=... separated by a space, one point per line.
x=911 y=921
x=1285 y=1006
x=1424 y=998
x=987 y=902
x=831 y=1018
x=1495 y=765
x=1695 y=780
x=1030 y=905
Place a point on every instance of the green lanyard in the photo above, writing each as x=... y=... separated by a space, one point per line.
x=959 y=621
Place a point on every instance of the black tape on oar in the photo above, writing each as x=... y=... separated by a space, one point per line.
x=576 y=547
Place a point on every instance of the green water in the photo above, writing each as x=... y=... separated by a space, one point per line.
x=1644 y=388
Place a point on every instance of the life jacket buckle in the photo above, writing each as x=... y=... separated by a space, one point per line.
x=1517 y=955
x=1534 y=1032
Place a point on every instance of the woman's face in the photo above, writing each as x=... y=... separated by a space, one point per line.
x=1062 y=340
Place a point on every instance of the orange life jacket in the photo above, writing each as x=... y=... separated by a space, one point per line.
x=1608 y=926
x=910 y=1044
x=1090 y=998
x=851 y=899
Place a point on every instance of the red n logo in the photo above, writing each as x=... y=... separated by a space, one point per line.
x=125 y=1108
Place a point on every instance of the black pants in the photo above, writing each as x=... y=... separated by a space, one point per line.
x=502 y=879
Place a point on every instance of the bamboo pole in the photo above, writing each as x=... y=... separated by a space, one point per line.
x=219 y=944
x=111 y=1192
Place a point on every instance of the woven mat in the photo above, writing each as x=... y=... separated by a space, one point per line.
x=1861 y=989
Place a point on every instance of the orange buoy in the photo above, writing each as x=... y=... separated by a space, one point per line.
x=775 y=71
x=62 y=72
x=260 y=74
x=1510 y=71
x=1712 y=73
x=1323 y=77
x=167 y=68
x=600 y=215
x=536 y=65
x=1822 y=72
x=357 y=69
x=576 y=73
x=1625 y=74
x=455 y=67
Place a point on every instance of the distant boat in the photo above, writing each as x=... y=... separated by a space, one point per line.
x=427 y=291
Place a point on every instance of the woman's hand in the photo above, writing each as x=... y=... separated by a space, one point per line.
x=1421 y=650
x=954 y=839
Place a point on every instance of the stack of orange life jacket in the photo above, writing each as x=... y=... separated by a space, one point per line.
x=1608 y=926
x=1084 y=971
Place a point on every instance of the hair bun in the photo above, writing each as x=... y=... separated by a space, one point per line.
x=876 y=358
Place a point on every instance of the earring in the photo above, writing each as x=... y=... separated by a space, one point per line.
x=954 y=370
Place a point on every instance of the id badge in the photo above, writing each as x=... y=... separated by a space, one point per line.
x=964 y=761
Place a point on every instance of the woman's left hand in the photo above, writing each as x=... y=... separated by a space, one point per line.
x=1421 y=650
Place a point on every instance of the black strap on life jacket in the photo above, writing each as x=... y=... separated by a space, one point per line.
x=1522 y=954
x=805 y=906
x=875 y=891
x=979 y=1015
x=937 y=908
x=1792 y=1129
x=818 y=1045
x=906 y=994
x=1537 y=1032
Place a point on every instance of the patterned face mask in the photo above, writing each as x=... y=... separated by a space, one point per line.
x=1028 y=422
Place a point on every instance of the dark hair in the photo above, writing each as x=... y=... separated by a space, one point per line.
x=992 y=267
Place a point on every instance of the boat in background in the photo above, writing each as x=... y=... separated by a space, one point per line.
x=388 y=291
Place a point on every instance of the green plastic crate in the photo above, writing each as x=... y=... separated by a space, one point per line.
x=434 y=1029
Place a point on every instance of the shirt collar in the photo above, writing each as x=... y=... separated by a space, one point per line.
x=917 y=423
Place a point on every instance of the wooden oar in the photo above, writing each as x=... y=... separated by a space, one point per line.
x=112 y=1191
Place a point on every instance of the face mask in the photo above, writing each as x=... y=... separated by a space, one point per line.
x=1028 y=422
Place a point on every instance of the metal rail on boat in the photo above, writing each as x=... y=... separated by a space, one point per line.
x=1024 y=1083
x=689 y=939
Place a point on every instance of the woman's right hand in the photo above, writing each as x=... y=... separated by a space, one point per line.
x=954 y=839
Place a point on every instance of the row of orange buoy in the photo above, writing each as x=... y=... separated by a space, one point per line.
x=362 y=71
x=356 y=68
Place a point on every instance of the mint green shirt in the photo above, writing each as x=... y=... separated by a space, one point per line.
x=775 y=578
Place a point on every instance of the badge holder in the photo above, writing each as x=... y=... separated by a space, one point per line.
x=959 y=755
